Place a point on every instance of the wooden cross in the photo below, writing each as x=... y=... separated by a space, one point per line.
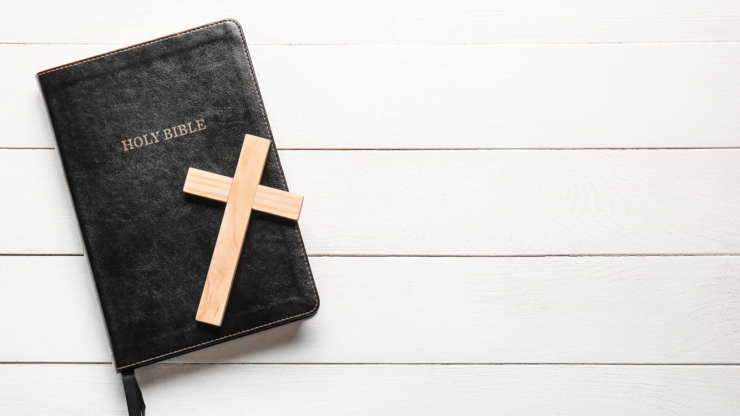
x=242 y=194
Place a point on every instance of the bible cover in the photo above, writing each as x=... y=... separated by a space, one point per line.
x=128 y=125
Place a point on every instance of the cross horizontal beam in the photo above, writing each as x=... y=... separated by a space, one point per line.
x=268 y=200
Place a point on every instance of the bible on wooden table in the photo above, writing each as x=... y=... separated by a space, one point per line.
x=129 y=125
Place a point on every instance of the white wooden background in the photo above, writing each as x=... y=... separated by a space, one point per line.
x=537 y=211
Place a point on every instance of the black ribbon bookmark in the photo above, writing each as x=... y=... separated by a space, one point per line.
x=134 y=399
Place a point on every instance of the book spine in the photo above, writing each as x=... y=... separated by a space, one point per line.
x=77 y=221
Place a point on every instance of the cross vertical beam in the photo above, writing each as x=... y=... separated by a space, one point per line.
x=233 y=230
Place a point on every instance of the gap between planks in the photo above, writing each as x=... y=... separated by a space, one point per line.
x=688 y=42
x=397 y=364
x=417 y=149
x=445 y=255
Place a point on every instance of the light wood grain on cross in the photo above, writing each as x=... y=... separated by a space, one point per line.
x=233 y=229
x=268 y=200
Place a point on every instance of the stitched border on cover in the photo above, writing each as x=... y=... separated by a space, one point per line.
x=274 y=153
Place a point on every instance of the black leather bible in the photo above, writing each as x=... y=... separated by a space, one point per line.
x=128 y=125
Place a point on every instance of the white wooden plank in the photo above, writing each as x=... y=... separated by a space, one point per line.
x=375 y=390
x=382 y=21
x=518 y=202
x=32 y=181
x=484 y=96
x=503 y=96
x=429 y=310
x=498 y=202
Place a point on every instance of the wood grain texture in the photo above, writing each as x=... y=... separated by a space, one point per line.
x=376 y=390
x=208 y=185
x=268 y=200
x=458 y=96
x=276 y=202
x=502 y=96
x=233 y=229
x=379 y=22
x=518 y=202
x=498 y=202
x=429 y=310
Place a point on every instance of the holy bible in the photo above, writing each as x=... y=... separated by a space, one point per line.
x=128 y=125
